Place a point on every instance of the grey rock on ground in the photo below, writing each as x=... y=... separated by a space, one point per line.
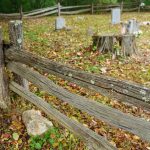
x=35 y=123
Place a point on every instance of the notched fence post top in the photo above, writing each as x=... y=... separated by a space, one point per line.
x=15 y=23
x=16 y=33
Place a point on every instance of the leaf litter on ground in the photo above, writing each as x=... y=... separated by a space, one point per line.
x=74 y=48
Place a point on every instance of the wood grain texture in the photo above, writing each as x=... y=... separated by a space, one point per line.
x=4 y=94
x=125 y=91
x=16 y=40
x=110 y=115
x=106 y=43
x=92 y=140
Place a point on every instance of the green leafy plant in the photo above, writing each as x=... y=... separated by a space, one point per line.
x=94 y=48
x=117 y=49
x=101 y=58
x=51 y=137
x=93 y=69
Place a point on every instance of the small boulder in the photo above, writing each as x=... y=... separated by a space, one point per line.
x=35 y=123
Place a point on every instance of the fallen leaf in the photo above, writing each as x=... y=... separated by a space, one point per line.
x=15 y=136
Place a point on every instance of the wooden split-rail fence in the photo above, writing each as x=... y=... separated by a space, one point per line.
x=15 y=59
x=71 y=10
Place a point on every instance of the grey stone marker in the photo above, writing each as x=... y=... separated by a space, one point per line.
x=133 y=26
x=60 y=23
x=115 y=15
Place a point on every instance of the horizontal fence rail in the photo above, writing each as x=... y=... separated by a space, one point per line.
x=124 y=91
x=41 y=11
x=43 y=14
x=71 y=10
x=100 y=111
x=92 y=140
x=76 y=12
x=72 y=7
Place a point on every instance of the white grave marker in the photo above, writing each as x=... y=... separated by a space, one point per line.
x=116 y=15
x=60 y=23
x=133 y=26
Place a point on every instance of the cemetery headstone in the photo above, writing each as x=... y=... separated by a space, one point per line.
x=130 y=27
x=60 y=23
x=115 y=15
x=133 y=26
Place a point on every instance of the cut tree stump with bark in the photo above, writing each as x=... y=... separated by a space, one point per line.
x=117 y=44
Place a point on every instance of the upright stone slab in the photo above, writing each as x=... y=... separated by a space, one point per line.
x=60 y=23
x=133 y=26
x=115 y=15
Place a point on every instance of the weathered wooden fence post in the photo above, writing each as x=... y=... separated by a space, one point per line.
x=59 y=9
x=16 y=40
x=21 y=13
x=4 y=93
x=122 y=6
x=92 y=8
x=139 y=8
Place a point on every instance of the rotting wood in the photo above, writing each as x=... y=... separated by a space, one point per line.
x=125 y=91
x=92 y=140
x=4 y=94
x=128 y=45
x=110 y=115
x=123 y=44
x=16 y=40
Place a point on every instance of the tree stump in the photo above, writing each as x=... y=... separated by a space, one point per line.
x=117 y=44
x=128 y=45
